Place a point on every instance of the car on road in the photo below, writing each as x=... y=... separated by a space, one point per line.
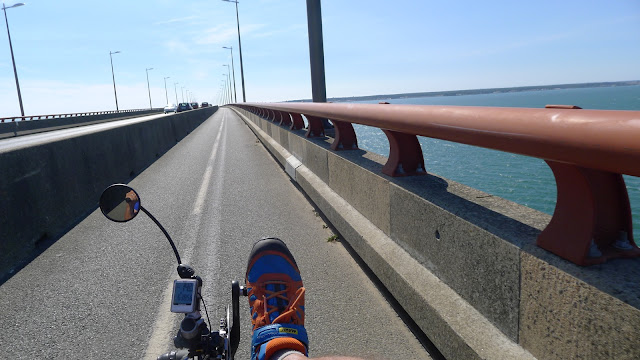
x=194 y=105
x=184 y=107
x=170 y=108
x=204 y=104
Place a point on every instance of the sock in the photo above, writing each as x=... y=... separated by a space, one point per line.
x=281 y=354
x=284 y=343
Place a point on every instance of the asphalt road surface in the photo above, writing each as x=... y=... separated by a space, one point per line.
x=103 y=289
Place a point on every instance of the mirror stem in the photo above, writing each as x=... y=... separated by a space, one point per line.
x=165 y=233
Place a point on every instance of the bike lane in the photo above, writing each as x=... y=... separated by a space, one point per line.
x=101 y=289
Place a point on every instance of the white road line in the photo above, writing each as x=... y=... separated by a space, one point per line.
x=163 y=330
x=202 y=194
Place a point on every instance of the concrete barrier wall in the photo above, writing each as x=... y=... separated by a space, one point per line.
x=463 y=263
x=17 y=128
x=59 y=182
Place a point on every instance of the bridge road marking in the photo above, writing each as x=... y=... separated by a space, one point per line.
x=202 y=194
x=163 y=331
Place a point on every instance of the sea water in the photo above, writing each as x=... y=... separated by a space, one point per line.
x=524 y=180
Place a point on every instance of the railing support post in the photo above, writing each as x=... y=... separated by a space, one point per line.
x=286 y=119
x=297 y=123
x=592 y=219
x=405 y=155
x=315 y=127
x=345 y=138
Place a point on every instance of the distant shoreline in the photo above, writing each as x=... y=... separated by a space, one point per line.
x=478 y=91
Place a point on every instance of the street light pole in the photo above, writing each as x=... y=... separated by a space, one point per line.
x=15 y=72
x=114 y=77
x=182 y=90
x=316 y=51
x=149 y=88
x=165 y=89
x=175 y=89
x=244 y=96
x=228 y=81
x=229 y=76
x=224 y=91
x=316 y=55
x=233 y=70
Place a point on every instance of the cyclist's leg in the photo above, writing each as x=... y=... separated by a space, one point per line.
x=298 y=356
x=276 y=300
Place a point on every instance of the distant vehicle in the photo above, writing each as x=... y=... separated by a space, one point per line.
x=170 y=108
x=184 y=107
x=194 y=105
x=205 y=104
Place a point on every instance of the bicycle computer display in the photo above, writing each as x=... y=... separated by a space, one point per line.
x=184 y=296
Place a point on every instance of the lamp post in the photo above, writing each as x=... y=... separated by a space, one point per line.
x=229 y=76
x=182 y=91
x=228 y=81
x=149 y=88
x=220 y=95
x=175 y=89
x=224 y=91
x=244 y=97
x=165 y=89
x=114 y=77
x=316 y=55
x=233 y=70
x=316 y=51
x=15 y=72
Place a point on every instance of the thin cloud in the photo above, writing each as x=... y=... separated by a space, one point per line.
x=223 y=34
x=577 y=32
x=292 y=28
x=526 y=43
x=176 y=20
x=176 y=46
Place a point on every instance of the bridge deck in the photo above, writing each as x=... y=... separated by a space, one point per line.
x=103 y=287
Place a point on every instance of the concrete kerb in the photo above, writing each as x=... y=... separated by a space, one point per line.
x=45 y=189
x=452 y=324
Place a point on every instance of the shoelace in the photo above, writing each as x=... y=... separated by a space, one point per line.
x=290 y=314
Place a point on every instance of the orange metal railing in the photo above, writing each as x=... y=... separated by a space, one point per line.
x=587 y=150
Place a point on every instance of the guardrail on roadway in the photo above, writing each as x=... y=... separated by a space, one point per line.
x=61 y=116
x=42 y=123
x=587 y=150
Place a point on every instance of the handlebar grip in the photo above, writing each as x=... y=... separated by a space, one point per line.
x=175 y=355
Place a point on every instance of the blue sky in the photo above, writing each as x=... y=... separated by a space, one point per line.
x=371 y=47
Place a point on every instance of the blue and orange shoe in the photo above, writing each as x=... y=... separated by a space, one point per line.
x=276 y=300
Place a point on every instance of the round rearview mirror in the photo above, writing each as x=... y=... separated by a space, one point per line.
x=119 y=203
